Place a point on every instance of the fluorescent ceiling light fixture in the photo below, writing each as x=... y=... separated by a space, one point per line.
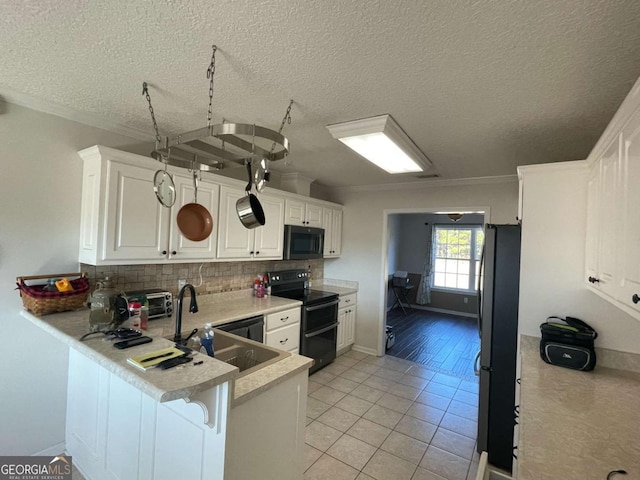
x=381 y=141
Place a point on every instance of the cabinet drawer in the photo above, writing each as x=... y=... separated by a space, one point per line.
x=348 y=300
x=287 y=338
x=282 y=319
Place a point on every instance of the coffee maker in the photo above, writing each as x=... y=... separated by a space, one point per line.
x=109 y=307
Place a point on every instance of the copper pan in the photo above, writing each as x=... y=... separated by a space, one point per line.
x=194 y=220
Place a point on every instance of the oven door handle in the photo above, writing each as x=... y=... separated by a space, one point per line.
x=324 y=305
x=319 y=332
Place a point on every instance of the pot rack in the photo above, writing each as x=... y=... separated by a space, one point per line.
x=215 y=146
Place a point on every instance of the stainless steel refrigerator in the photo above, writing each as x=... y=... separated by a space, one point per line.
x=498 y=327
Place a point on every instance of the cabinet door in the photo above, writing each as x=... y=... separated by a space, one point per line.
x=269 y=239
x=234 y=240
x=350 y=334
x=327 y=224
x=593 y=227
x=342 y=328
x=609 y=230
x=294 y=212
x=336 y=234
x=313 y=215
x=181 y=247
x=137 y=224
x=630 y=251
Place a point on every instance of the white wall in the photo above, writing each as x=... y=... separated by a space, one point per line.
x=40 y=188
x=393 y=238
x=552 y=259
x=364 y=244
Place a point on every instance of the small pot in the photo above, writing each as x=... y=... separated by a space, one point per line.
x=249 y=210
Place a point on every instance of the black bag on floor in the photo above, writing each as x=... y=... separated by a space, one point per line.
x=568 y=344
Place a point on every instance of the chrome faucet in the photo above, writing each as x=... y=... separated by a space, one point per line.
x=193 y=308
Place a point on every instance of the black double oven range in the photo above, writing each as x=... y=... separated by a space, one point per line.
x=319 y=319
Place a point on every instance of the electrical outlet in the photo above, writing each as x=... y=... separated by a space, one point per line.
x=181 y=283
x=466 y=300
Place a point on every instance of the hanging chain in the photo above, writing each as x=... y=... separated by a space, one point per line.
x=145 y=91
x=285 y=119
x=210 y=73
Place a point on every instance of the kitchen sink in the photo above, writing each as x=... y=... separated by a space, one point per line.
x=247 y=355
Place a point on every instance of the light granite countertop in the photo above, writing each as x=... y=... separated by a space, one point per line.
x=180 y=382
x=573 y=424
x=341 y=287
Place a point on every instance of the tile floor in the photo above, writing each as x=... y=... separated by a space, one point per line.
x=386 y=418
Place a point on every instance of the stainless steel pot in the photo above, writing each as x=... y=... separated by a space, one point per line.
x=249 y=209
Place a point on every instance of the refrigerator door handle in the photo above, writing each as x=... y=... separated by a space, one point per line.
x=476 y=364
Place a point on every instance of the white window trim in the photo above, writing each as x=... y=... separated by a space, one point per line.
x=472 y=261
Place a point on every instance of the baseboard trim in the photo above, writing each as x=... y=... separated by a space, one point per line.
x=442 y=310
x=51 y=451
x=369 y=351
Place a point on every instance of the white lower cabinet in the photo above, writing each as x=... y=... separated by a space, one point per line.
x=238 y=242
x=347 y=312
x=114 y=431
x=282 y=330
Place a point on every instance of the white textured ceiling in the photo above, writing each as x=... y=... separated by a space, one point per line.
x=480 y=86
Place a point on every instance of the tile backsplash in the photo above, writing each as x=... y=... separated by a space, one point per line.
x=206 y=277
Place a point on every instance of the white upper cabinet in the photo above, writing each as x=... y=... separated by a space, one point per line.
x=603 y=203
x=180 y=247
x=332 y=224
x=612 y=260
x=629 y=265
x=122 y=221
x=137 y=225
x=238 y=242
x=302 y=213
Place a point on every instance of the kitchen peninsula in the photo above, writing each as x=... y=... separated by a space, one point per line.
x=186 y=422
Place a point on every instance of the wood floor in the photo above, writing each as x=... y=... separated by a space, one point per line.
x=442 y=342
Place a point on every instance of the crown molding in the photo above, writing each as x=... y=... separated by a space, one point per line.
x=10 y=95
x=551 y=167
x=450 y=182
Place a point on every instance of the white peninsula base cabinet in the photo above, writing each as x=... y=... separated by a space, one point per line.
x=267 y=429
x=114 y=431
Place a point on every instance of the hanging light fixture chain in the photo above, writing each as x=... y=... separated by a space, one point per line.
x=210 y=73
x=145 y=92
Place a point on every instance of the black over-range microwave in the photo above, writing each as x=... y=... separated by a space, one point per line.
x=301 y=243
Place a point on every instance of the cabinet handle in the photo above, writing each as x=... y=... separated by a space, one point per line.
x=635 y=298
x=284 y=319
x=258 y=252
x=594 y=280
x=251 y=252
x=174 y=252
x=164 y=252
x=282 y=342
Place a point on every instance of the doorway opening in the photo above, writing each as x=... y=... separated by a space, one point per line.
x=432 y=268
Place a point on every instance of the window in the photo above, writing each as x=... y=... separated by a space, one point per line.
x=456 y=256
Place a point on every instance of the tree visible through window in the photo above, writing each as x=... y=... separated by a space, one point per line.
x=456 y=256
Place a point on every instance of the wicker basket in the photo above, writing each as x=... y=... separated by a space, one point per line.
x=40 y=302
